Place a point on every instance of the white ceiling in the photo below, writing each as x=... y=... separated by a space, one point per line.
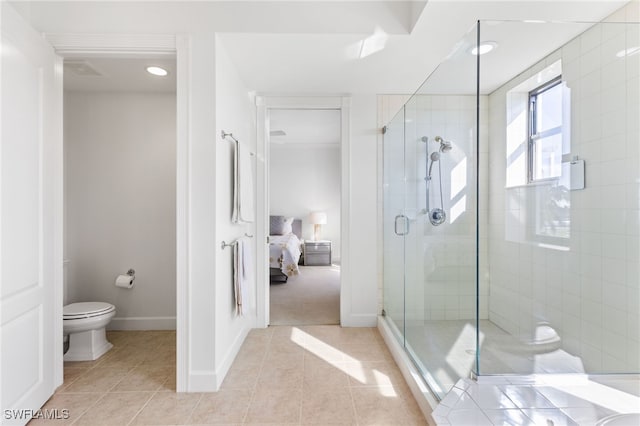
x=119 y=75
x=326 y=46
x=307 y=126
x=331 y=62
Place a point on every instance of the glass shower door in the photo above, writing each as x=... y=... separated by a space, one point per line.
x=394 y=225
x=416 y=150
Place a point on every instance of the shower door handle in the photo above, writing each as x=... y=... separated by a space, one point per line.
x=405 y=229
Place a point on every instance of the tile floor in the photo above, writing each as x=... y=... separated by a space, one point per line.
x=282 y=375
x=568 y=400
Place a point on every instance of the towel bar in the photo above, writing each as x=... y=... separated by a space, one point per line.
x=224 y=136
x=233 y=243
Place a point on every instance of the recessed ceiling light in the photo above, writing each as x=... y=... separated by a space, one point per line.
x=157 y=71
x=484 y=47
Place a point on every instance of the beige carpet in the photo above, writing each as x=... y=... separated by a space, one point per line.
x=311 y=298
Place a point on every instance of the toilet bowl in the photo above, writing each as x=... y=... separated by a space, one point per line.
x=85 y=324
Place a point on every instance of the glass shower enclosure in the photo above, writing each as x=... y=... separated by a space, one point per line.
x=511 y=197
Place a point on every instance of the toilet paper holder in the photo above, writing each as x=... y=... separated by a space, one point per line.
x=131 y=272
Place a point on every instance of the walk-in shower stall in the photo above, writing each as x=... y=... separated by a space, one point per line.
x=511 y=205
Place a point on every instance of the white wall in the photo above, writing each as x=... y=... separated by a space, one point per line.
x=362 y=300
x=234 y=113
x=586 y=287
x=304 y=178
x=120 y=198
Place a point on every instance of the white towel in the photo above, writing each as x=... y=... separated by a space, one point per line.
x=243 y=211
x=237 y=274
x=242 y=272
x=247 y=274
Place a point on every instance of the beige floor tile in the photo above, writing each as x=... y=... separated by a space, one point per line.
x=167 y=339
x=275 y=359
x=327 y=406
x=261 y=332
x=323 y=351
x=115 y=409
x=284 y=345
x=319 y=374
x=250 y=357
x=82 y=364
x=97 y=380
x=154 y=369
x=76 y=404
x=226 y=406
x=279 y=405
x=356 y=335
x=374 y=373
x=71 y=374
x=140 y=380
x=281 y=377
x=240 y=377
x=169 y=384
x=282 y=330
x=383 y=405
x=161 y=356
x=166 y=408
x=329 y=334
x=123 y=359
x=119 y=337
x=366 y=352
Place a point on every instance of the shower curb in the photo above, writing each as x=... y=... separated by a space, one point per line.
x=426 y=400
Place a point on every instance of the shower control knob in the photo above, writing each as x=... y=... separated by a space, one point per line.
x=437 y=217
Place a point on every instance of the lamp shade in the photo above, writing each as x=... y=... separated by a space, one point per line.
x=318 y=218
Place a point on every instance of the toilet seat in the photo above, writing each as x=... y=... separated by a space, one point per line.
x=86 y=310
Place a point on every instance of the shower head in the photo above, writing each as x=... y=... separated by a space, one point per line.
x=435 y=156
x=445 y=146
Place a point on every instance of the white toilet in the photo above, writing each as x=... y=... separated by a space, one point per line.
x=85 y=324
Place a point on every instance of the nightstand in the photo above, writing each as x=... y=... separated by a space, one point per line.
x=317 y=253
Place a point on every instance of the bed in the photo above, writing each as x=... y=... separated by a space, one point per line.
x=284 y=247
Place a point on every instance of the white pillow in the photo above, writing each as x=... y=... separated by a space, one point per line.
x=287 y=226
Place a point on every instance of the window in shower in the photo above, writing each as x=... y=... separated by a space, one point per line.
x=545 y=131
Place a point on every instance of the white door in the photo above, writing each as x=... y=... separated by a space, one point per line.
x=30 y=219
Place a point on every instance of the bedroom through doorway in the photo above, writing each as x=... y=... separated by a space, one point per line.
x=304 y=216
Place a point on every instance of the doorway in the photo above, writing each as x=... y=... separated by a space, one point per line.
x=265 y=106
x=120 y=190
x=304 y=190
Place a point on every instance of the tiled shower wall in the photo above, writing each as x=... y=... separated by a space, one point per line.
x=439 y=262
x=446 y=254
x=586 y=286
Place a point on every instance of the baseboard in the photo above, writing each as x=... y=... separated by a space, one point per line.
x=225 y=365
x=202 y=381
x=142 y=323
x=423 y=395
x=359 y=320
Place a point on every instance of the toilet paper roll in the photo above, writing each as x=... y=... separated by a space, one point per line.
x=125 y=281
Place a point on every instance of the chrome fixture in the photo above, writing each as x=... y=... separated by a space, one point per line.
x=437 y=216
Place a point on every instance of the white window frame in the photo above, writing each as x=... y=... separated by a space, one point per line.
x=533 y=135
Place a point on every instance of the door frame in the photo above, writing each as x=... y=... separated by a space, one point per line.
x=140 y=46
x=265 y=103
